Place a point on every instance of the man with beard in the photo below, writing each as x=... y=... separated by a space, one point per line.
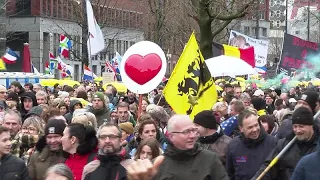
x=16 y=87
x=183 y=158
x=130 y=98
x=112 y=157
x=211 y=137
x=99 y=108
x=247 y=152
x=48 y=150
x=306 y=143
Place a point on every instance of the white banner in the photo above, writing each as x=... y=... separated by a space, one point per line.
x=260 y=46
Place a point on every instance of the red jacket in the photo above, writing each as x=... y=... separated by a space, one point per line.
x=77 y=162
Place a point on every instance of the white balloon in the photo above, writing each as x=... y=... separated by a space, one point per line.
x=143 y=48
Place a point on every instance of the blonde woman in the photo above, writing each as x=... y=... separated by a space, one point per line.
x=85 y=118
x=24 y=143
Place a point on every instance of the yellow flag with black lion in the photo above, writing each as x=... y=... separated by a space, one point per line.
x=190 y=88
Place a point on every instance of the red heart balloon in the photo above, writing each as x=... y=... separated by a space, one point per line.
x=141 y=69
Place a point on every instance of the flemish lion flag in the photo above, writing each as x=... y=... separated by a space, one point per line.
x=190 y=88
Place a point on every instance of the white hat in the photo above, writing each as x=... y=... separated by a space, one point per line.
x=292 y=100
x=258 y=92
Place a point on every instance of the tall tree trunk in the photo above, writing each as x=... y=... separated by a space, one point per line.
x=205 y=29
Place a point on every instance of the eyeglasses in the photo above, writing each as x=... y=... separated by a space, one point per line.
x=110 y=136
x=188 y=131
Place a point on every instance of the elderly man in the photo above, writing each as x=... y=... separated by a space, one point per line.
x=113 y=160
x=13 y=122
x=3 y=93
x=183 y=158
x=41 y=97
x=307 y=140
x=37 y=87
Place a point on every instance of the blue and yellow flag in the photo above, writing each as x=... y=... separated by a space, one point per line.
x=190 y=88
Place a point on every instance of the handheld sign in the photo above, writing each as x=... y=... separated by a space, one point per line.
x=143 y=66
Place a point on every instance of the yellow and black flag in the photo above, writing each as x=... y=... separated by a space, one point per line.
x=190 y=88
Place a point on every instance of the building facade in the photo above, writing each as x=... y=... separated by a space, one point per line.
x=40 y=23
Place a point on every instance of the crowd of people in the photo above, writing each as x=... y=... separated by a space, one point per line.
x=91 y=133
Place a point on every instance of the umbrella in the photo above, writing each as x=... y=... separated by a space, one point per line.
x=68 y=82
x=98 y=79
x=82 y=101
x=228 y=66
x=49 y=82
x=119 y=86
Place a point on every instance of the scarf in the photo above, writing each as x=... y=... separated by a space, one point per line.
x=212 y=138
x=182 y=155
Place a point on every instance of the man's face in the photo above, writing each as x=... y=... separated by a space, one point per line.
x=237 y=92
x=250 y=127
x=184 y=135
x=14 y=89
x=27 y=104
x=202 y=131
x=303 y=132
x=11 y=122
x=97 y=103
x=3 y=93
x=36 y=88
x=130 y=95
x=268 y=99
x=247 y=102
x=109 y=140
x=41 y=100
x=123 y=114
x=5 y=143
x=27 y=88
x=54 y=142
x=228 y=89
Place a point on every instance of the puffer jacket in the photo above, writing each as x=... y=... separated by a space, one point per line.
x=13 y=168
x=283 y=169
x=41 y=160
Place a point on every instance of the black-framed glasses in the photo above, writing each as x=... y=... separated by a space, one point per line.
x=110 y=136
x=187 y=131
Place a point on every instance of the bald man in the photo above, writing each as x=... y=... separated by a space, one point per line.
x=3 y=93
x=182 y=150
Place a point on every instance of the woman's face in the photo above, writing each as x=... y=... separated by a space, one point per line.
x=67 y=101
x=149 y=131
x=63 y=110
x=146 y=153
x=30 y=130
x=66 y=141
x=52 y=98
x=144 y=105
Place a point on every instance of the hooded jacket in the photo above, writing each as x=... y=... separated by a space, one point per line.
x=102 y=114
x=69 y=115
x=30 y=95
x=192 y=164
x=42 y=159
x=13 y=168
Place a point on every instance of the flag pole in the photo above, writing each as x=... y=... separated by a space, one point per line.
x=89 y=53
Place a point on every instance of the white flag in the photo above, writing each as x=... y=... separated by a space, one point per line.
x=96 y=40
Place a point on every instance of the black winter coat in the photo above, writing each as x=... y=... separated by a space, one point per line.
x=13 y=168
x=245 y=157
x=284 y=168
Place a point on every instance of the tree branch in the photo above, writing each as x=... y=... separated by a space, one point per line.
x=217 y=31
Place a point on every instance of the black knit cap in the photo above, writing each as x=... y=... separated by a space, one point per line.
x=302 y=115
x=206 y=119
x=310 y=97
x=55 y=126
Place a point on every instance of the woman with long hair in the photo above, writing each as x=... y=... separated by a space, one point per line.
x=80 y=144
x=148 y=149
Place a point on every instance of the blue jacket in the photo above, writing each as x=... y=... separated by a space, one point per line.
x=308 y=167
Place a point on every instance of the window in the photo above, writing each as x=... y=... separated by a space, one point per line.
x=246 y=30
x=126 y=45
x=76 y=72
x=264 y=32
x=126 y=17
x=253 y=30
x=119 y=46
x=262 y=15
x=111 y=49
x=297 y=32
x=23 y=7
x=94 y=69
x=55 y=9
x=44 y=7
x=118 y=18
x=133 y=20
x=102 y=69
x=132 y=43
